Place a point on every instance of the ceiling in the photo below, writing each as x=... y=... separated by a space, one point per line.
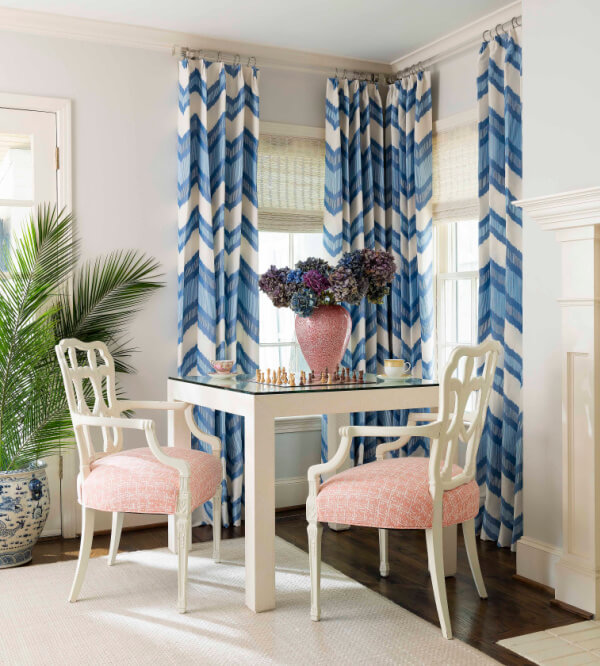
x=378 y=30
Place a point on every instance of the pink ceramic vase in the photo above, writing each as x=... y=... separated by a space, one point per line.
x=324 y=336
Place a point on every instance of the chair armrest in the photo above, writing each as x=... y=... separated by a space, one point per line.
x=212 y=440
x=403 y=433
x=108 y=422
x=176 y=406
x=125 y=405
x=147 y=425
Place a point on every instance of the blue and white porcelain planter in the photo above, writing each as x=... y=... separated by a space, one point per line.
x=24 y=506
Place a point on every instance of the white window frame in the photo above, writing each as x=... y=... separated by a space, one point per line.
x=300 y=423
x=445 y=243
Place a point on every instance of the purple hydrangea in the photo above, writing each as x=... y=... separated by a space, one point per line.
x=316 y=281
x=379 y=266
x=273 y=282
x=314 y=264
x=303 y=302
x=344 y=285
x=376 y=294
x=353 y=261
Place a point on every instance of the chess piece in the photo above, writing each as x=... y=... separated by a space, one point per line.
x=361 y=377
x=329 y=378
x=343 y=377
x=354 y=376
x=323 y=380
x=268 y=375
x=292 y=379
x=302 y=378
x=257 y=374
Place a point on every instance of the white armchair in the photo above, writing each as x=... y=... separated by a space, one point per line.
x=142 y=480
x=412 y=493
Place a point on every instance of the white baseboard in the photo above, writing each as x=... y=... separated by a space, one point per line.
x=291 y=491
x=537 y=561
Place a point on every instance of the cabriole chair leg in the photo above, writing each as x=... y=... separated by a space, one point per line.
x=115 y=536
x=217 y=525
x=471 y=547
x=315 y=530
x=435 y=556
x=384 y=563
x=87 y=536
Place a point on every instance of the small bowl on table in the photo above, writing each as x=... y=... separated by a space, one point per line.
x=396 y=368
x=222 y=367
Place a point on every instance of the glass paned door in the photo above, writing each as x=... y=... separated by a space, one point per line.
x=28 y=178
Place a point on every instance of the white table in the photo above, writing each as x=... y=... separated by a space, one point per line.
x=260 y=405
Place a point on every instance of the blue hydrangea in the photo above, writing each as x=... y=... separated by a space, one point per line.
x=295 y=276
x=303 y=302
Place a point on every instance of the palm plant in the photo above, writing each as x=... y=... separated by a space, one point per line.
x=45 y=295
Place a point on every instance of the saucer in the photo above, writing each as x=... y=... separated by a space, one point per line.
x=394 y=379
x=221 y=375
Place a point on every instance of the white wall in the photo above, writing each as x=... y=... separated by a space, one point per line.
x=125 y=168
x=561 y=142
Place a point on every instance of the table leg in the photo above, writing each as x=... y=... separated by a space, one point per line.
x=450 y=547
x=178 y=435
x=334 y=423
x=259 y=477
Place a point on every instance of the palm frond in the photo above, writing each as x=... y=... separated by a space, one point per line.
x=39 y=307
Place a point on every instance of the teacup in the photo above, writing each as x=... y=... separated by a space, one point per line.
x=396 y=367
x=222 y=367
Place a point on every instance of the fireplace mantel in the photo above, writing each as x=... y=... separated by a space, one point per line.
x=575 y=217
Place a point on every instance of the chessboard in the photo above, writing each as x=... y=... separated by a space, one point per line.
x=281 y=377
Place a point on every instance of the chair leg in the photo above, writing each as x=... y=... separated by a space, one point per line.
x=384 y=563
x=183 y=524
x=87 y=536
x=468 y=528
x=115 y=536
x=435 y=556
x=217 y=525
x=315 y=530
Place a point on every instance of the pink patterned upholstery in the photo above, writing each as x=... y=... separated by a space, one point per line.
x=134 y=481
x=394 y=494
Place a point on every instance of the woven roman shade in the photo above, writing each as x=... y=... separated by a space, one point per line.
x=455 y=180
x=291 y=183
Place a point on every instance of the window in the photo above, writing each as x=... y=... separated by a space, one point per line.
x=291 y=177
x=27 y=169
x=455 y=216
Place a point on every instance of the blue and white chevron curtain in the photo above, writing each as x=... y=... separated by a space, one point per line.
x=377 y=195
x=218 y=243
x=500 y=463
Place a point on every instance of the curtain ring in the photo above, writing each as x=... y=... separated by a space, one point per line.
x=496 y=29
x=345 y=74
x=337 y=76
x=237 y=59
x=219 y=59
x=515 y=22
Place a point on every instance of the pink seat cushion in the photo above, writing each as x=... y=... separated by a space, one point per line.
x=394 y=494
x=134 y=481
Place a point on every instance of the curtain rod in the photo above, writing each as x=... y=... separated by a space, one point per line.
x=514 y=22
x=182 y=52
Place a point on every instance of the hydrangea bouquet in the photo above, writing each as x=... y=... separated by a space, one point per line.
x=314 y=282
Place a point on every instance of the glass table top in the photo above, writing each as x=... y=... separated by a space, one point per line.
x=246 y=384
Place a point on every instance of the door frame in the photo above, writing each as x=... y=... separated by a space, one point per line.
x=61 y=107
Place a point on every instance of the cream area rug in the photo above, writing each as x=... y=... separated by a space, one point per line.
x=127 y=615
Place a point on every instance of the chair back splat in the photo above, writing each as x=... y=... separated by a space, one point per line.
x=469 y=372
x=88 y=372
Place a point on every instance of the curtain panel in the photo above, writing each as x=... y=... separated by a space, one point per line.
x=378 y=195
x=218 y=244
x=500 y=461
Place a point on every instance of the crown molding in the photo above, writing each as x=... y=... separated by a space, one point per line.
x=566 y=210
x=467 y=36
x=155 y=39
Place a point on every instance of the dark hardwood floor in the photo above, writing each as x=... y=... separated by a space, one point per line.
x=513 y=607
